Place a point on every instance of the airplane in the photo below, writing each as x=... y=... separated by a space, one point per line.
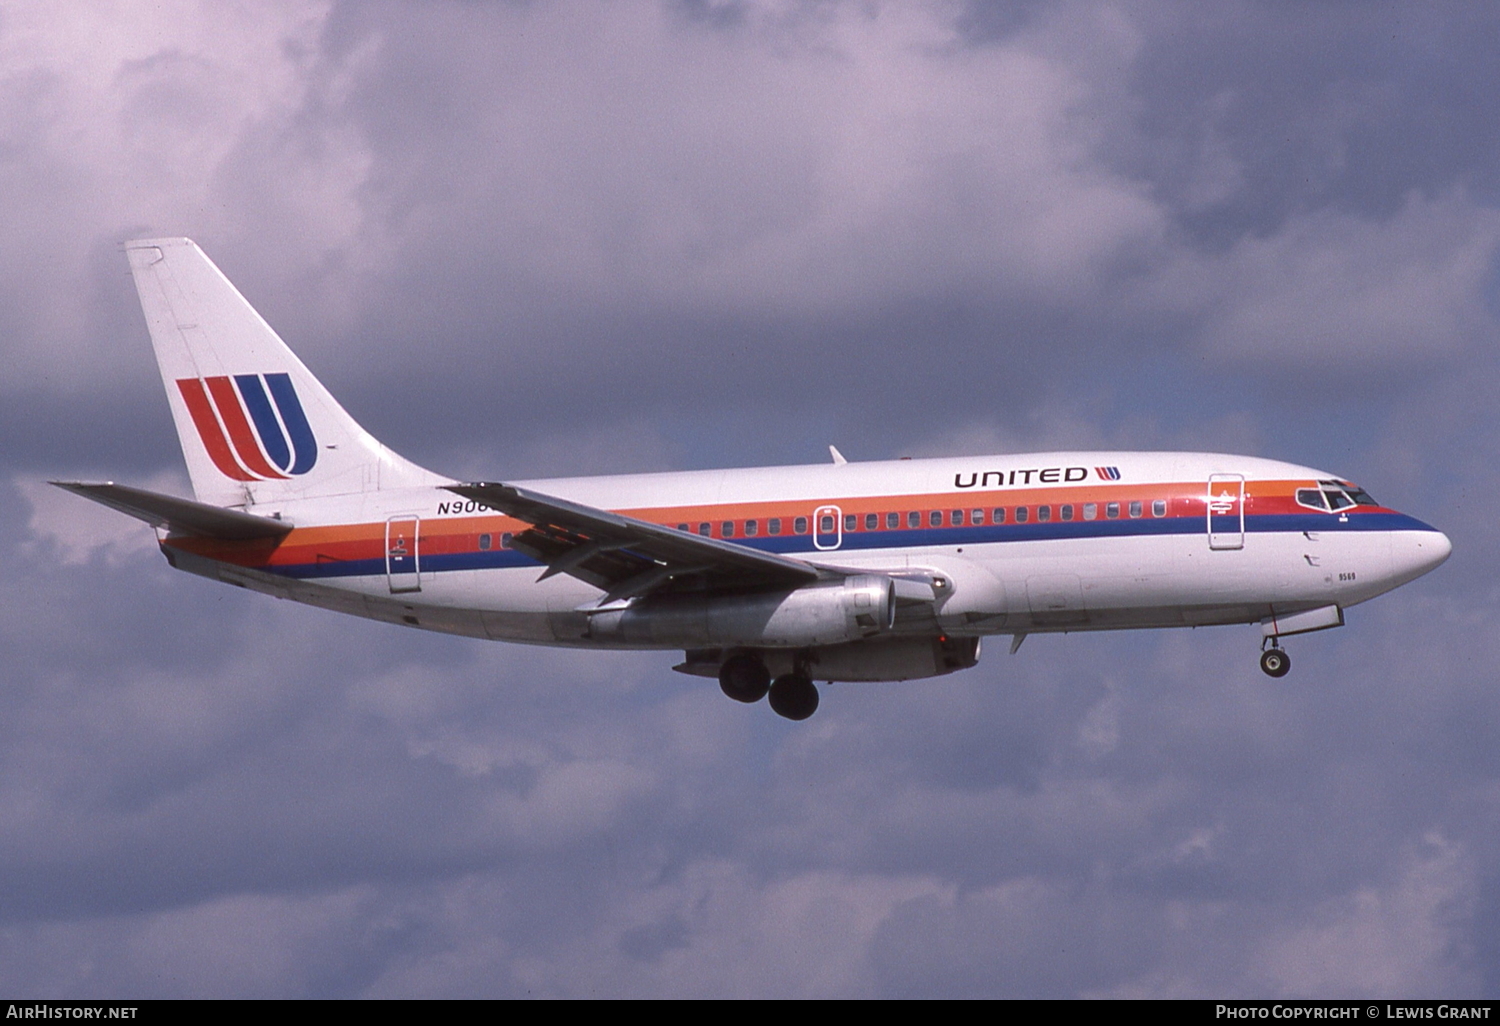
x=768 y=579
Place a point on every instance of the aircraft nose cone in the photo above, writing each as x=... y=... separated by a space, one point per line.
x=1418 y=552
x=1436 y=549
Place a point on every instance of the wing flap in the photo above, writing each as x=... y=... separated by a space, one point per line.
x=627 y=557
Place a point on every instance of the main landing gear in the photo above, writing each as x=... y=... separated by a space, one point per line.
x=745 y=678
x=794 y=696
x=1274 y=661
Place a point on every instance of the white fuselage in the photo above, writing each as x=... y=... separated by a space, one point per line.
x=1128 y=541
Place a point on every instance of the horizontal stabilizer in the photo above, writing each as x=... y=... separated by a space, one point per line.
x=180 y=516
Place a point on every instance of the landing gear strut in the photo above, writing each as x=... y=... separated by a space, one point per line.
x=1274 y=661
x=745 y=678
x=794 y=696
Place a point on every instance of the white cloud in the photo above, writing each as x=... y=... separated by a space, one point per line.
x=1405 y=938
x=126 y=117
x=78 y=530
x=813 y=164
x=1330 y=290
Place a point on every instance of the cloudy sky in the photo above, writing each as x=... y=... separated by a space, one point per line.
x=522 y=239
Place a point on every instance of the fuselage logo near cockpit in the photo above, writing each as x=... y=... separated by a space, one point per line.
x=252 y=425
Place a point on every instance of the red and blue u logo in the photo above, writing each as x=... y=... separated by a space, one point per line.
x=252 y=425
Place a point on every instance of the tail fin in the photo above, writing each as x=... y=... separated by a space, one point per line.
x=255 y=425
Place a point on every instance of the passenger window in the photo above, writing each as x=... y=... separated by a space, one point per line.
x=682 y=527
x=752 y=528
x=484 y=542
x=825 y=524
x=935 y=518
x=913 y=519
x=1021 y=513
x=1090 y=511
x=956 y=518
x=976 y=517
x=1112 y=510
x=892 y=521
x=705 y=530
x=872 y=521
x=1067 y=512
x=1043 y=514
x=799 y=526
x=998 y=514
x=505 y=540
x=1135 y=507
x=728 y=526
x=773 y=526
x=850 y=521
x=1158 y=507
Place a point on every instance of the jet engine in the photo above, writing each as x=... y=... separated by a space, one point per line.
x=819 y=614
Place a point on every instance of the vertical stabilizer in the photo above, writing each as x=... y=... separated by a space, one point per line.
x=255 y=425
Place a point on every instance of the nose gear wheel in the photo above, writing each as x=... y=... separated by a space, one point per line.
x=1275 y=662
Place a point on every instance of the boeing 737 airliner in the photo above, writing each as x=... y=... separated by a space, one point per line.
x=769 y=578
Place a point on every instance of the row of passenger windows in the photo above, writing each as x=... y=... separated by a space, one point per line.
x=938 y=518
x=751 y=527
x=1332 y=495
x=1134 y=508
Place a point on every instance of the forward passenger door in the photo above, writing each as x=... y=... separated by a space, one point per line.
x=1226 y=511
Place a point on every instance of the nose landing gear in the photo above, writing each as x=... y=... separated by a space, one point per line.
x=1274 y=661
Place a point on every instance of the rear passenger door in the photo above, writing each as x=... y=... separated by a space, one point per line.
x=402 y=559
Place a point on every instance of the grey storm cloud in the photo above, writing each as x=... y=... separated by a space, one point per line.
x=522 y=239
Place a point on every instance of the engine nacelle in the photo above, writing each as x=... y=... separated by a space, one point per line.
x=819 y=614
x=886 y=658
x=890 y=659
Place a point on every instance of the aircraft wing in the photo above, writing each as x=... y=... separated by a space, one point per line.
x=627 y=557
x=180 y=516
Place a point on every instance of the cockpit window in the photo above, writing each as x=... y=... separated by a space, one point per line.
x=1358 y=494
x=1333 y=491
x=1340 y=495
x=1311 y=497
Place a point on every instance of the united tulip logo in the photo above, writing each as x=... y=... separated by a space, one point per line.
x=252 y=425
